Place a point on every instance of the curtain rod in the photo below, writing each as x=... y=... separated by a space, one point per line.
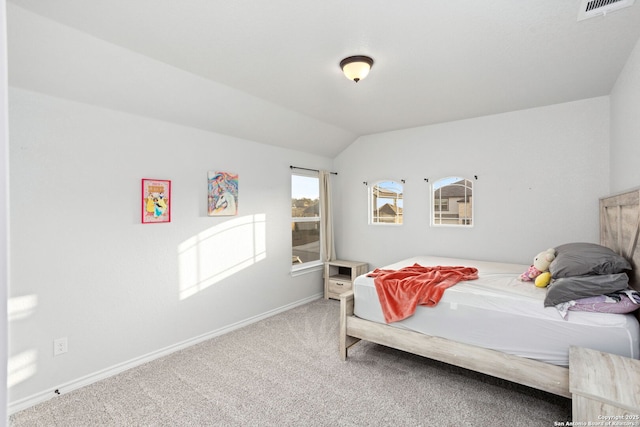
x=312 y=170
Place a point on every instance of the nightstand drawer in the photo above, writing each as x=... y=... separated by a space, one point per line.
x=339 y=276
x=339 y=286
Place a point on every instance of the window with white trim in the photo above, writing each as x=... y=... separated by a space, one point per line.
x=305 y=220
x=386 y=203
x=452 y=202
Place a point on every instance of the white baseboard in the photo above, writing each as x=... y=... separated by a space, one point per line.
x=67 y=387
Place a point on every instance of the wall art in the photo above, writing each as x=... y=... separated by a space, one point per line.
x=156 y=201
x=222 y=193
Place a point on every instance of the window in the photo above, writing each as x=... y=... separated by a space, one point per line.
x=453 y=201
x=385 y=203
x=441 y=205
x=305 y=221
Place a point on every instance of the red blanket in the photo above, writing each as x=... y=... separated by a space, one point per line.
x=400 y=291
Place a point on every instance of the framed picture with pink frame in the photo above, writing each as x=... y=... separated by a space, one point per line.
x=156 y=201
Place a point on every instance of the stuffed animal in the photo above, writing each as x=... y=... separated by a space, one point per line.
x=543 y=280
x=540 y=265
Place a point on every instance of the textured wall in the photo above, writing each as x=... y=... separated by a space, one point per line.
x=625 y=126
x=540 y=173
x=83 y=266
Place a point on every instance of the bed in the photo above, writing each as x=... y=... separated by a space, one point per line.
x=514 y=336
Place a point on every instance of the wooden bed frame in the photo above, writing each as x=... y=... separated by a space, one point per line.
x=619 y=230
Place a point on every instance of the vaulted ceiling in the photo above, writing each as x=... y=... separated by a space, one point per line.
x=435 y=61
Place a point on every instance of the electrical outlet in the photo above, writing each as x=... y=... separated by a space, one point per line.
x=60 y=346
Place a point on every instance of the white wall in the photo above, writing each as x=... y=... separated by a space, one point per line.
x=540 y=173
x=82 y=265
x=4 y=213
x=625 y=126
x=46 y=56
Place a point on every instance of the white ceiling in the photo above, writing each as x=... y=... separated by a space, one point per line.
x=435 y=61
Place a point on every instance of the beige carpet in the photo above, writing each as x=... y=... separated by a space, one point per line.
x=286 y=371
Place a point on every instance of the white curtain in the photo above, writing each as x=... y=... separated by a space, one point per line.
x=326 y=218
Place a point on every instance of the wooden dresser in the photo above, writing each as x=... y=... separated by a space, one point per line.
x=605 y=388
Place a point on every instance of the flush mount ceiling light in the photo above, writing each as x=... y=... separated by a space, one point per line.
x=356 y=68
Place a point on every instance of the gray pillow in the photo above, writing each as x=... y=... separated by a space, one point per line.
x=576 y=287
x=581 y=259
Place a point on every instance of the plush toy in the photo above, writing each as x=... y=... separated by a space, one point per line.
x=543 y=280
x=540 y=265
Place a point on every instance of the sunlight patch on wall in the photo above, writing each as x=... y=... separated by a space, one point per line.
x=219 y=252
x=21 y=307
x=21 y=367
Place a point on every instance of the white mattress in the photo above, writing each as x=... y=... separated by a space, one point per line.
x=499 y=312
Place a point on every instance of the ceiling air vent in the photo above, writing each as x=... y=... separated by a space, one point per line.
x=591 y=8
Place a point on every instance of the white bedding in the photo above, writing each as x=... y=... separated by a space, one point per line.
x=499 y=312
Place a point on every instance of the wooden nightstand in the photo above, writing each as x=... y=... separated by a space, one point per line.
x=604 y=387
x=339 y=276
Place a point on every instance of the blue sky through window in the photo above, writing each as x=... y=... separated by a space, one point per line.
x=390 y=186
x=446 y=181
x=304 y=186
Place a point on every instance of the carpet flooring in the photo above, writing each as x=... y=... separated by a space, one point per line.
x=286 y=371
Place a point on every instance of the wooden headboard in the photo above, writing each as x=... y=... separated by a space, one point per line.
x=619 y=228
